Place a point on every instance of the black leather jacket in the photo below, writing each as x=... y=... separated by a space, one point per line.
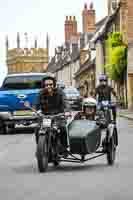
x=104 y=92
x=51 y=104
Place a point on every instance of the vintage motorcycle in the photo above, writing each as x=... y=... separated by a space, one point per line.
x=105 y=116
x=62 y=138
x=52 y=138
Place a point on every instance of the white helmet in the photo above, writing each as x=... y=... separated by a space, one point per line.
x=89 y=102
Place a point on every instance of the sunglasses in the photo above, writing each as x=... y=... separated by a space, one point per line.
x=49 y=84
x=103 y=80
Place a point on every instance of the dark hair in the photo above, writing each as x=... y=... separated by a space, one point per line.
x=48 y=78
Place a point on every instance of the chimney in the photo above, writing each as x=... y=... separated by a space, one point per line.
x=74 y=26
x=70 y=28
x=88 y=19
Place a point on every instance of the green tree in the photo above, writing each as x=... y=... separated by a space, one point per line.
x=116 y=39
x=117 y=57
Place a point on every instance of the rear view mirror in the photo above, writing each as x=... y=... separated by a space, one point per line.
x=27 y=105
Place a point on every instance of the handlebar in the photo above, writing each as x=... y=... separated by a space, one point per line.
x=54 y=115
x=108 y=103
x=51 y=116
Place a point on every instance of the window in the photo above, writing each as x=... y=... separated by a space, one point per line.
x=22 y=82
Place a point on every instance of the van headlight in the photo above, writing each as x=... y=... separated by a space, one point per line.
x=6 y=115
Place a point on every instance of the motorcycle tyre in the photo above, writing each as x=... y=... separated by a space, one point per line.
x=111 y=151
x=42 y=153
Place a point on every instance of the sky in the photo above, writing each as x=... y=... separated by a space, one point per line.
x=37 y=18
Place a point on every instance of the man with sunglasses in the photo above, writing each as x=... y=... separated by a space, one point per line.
x=103 y=93
x=50 y=98
x=51 y=101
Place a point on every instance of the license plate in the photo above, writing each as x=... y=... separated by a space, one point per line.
x=23 y=112
x=71 y=102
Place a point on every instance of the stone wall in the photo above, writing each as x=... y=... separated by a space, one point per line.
x=27 y=60
x=130 y=76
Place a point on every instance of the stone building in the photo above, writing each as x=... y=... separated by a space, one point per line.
x=64 y=65
x=85 y=76
x=75 y=66
x=120 y=18
x=21 y=60
x=129 y=23
x=65 y=62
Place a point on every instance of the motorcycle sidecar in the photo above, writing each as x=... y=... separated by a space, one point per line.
x=84 y=137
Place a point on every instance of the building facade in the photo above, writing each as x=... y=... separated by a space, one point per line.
x=75 y=66
x=64 y=65
x=120 y=18
x=20 y=60
x=85 y=78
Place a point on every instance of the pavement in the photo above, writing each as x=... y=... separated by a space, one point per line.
x=93 y=179
x=126 y=113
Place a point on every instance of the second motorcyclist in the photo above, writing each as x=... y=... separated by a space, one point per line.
x=103 y=93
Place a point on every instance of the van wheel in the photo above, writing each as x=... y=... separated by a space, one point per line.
x=3 y=128
x=11 y=129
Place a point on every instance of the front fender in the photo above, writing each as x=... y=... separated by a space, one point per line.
x=111 y=130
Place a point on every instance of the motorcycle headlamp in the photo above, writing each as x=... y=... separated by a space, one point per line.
x=46 y=122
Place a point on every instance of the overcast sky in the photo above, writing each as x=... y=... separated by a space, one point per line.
x=37 y=17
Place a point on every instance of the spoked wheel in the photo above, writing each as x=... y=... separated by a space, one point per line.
x=42 y=153
x=111 y=151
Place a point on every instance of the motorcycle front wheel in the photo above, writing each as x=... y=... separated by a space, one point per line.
x=111 y=151
x=42 y=153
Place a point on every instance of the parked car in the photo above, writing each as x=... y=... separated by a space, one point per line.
x=72 y=98
x=60 y=84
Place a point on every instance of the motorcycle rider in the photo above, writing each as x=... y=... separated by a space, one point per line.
x=50 y=99
x=88 y=109
x=103 y=93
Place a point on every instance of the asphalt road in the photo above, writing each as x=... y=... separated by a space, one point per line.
x=20 y=180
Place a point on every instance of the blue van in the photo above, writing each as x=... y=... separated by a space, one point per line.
x=16 y=89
